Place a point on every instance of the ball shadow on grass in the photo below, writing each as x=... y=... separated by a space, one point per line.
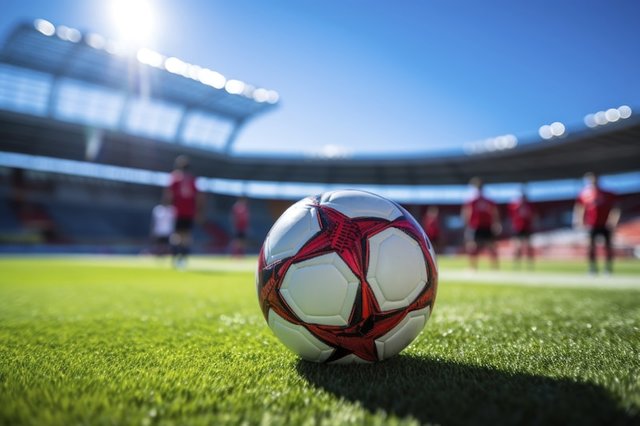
x=450 y=393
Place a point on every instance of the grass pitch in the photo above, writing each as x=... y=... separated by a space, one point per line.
x=130 y=341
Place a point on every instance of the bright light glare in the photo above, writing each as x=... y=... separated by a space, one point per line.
x=261 y=95
x=601 y=118
x=175 y=65
x=625 y=111
x=557 y=128
x=96 y=41
x=272 y=96
x=211 y=78
x=235 y=87
x=68 y=34
x=134 y=20
x=45 y=27
x=590 y=120
x=149 y=57
x=612 y=115
x=545 y=132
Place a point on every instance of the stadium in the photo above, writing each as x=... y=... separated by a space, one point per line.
x=97 y=328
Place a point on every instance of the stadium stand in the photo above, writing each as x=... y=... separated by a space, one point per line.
x=84 y=153
x=103 y=216
x=8 y=220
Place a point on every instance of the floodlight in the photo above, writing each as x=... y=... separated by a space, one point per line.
x=600 y=118
x=95 y=40
x=45 y=27
x=545 y=132
x=612 y=115
x=557 y=128
x=625 y=111
x=234 y=87
x=149 y=57
x=590 y=120
x=211 y=78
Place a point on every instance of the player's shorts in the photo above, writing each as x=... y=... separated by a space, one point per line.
x=480 y=236
x=523 y=233
x=241 y=234
x=605 y=232
x=184 y=224
x=162 y=239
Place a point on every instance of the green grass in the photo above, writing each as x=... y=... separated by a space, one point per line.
x=129 y=341
x=622 y=267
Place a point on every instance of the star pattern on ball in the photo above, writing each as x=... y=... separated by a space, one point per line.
x=348 y=237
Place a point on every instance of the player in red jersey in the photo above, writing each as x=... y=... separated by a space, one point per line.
x=187 y=201
x=595 y=210
x=240 y=219
x=482 y=224
x=522 y=214
x=431 y=225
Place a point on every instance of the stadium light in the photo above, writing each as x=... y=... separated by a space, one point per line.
x=175 y=65
x=498 y=143
x=150 y=57
x=272 y=96
x=625 y=111
x=332 y=151
x=234 y=87
x=124 y=11
x=260 y=95
x=45 y=27
x=134 y=20
x=68 y=34
x=553 y=130
x=115 y=48
x=545 y=132
x=193 y=71
x=211 y=78
x=96 y=41
x=590 y=120
x=263 y=95
x=611 y=115
x=557 y=129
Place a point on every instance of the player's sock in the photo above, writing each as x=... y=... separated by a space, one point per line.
x=183 y=252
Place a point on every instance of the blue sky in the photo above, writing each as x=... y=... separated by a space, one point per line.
x=395 y=77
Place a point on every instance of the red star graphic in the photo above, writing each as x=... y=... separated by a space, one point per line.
x=349 y=239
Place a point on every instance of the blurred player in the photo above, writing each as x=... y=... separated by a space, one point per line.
x=186 y=200
x=595 y=210
x=522 y=215
x=482 y=224
x=431 y=225
x=163 y=217
x=240 y=219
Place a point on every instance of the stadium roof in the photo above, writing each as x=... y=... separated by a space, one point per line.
x=609 y=149
x=74 y=96
x=65 y=56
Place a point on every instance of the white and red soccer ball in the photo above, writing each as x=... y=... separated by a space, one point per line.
x=346 y=276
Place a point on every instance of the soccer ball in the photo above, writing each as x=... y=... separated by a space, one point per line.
x=346 y=276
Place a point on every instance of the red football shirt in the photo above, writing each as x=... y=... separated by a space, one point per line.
x=481 y=215
x=597 y=206
x=240 y=213
x=183 y=192
x=521 y=212
x=431 y=225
